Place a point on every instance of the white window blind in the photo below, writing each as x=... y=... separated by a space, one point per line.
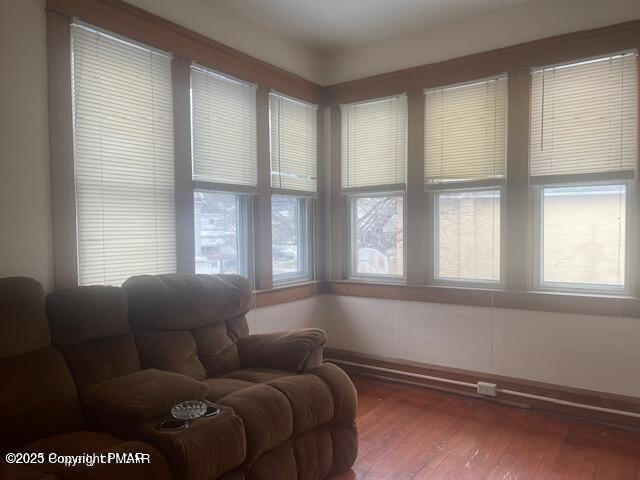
x=583 y=117
x=293 y=126
x=124 y=163
x=223 y=128
x=465 y=131
x=374 y=143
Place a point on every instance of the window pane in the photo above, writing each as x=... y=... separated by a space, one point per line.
x=288 y=232
x=217 y=233
x=123 y=158
x=378 y=235
x=469 y=235
x=584 y=235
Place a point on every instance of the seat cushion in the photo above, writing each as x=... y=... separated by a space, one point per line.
x=257 y=375
x=305 y=398
x=141 y=395
x=221 y=387
x=309 y=398
x=266 y=415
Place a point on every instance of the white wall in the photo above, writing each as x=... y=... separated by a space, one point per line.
x=511 y=25
x=226 y=26
x=25 y=205
x=584 y=351
x=306 y=313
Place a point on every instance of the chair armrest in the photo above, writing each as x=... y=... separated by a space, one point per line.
x=293 y=351
x=141 y=395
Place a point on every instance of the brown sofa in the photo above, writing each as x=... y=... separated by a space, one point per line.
x=298 y=413
x=90 y=326
x=40 y=411
x=121 y=357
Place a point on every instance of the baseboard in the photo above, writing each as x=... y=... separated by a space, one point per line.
x=613 y=409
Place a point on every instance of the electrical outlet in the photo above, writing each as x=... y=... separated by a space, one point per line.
x=488 y=389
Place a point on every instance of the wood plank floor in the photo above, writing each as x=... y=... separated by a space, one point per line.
x=413 y=433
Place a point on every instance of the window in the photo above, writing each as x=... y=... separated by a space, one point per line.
x=223 y=113
x=582 y=163
x=583 y=236
x=373 y=171
x=224 y=162
x=465 y=162
x=377 y=235
x=293 y=148
x=293 y=128
x=220 y=232
x=290 y=238
x=123 y=154
x=468 y=235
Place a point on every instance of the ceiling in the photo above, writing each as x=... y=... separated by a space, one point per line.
x=329 y=25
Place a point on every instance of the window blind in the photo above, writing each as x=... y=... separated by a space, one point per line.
x=465 y=131
x=124 y=163
x=374 y=143
x=223 y=114
x=293 y=127
x=583 y=116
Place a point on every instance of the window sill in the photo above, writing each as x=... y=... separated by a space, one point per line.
x=606 y=305
x=288 y=293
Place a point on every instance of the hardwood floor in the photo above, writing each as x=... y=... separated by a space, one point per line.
x=413 y=433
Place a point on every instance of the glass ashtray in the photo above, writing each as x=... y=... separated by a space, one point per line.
x=188 y=410
x=212 y=411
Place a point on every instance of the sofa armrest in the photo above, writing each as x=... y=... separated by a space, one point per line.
x=141 y=395
x=293 y=351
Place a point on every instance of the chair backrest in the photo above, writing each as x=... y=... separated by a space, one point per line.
x=38 y=397
x=187 y=323
x=90 y=326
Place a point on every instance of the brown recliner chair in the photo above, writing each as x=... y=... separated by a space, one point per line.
x=90 y=326
x=298 y=413
x=39 y=407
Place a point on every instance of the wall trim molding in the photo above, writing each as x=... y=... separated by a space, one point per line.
x=403 y=371
x=527 y=300
x=535 y=301
x=288 y=293
x=545 y=51
x=140 y=25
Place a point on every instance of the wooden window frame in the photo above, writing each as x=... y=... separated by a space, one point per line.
x=517 y=288
x=330 y=219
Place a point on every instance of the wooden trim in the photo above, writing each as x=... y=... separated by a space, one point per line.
x=142 y=26
x=570 y=394
x=524 y=300
x=635 y=209
x=319 y=205
x=414 y=293
x=63 y=189
x=557 y=302
x=185 y=234
x=338 y=205
x=263 y=268
x=416 y=214
x=288 y=293
x=551 y=50
x=516 y=225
